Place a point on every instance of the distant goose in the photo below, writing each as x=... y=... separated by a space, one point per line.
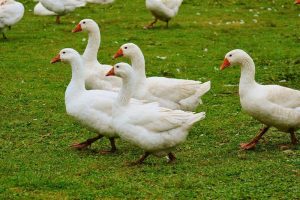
x=11 y=12
x=39 y=9
x=163 y=10
x=62 y=7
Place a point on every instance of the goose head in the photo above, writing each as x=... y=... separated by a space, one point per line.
x=122 y=70
x=65 y=55
x=234 y=57
x=127 y=50
x=85 y=25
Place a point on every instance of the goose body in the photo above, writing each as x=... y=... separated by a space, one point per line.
x=272 y=105
x=168 y=92
x=39 y=9
x=62 y=7
x=154 y=129
x=101 y=1
x=95 y=77
x=11 y=12
x=93 y=108
x=163 y=10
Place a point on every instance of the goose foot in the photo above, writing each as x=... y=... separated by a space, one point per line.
x=151 y=25
x=80 y=146
x=248 y=146
x=284 y=147
x=103 y=152
x=86 y=144
x=113 y=147
x=254 y=141
x=148 y=27
x=172 y=158
x=140 y=160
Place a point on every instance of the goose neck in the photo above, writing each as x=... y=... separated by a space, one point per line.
x=77 y=83
x=126 y=91
x=91 y=50
x=247 y=72
x=138 y=64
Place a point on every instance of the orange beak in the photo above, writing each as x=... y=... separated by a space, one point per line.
x=77 y=29
x=119 y=53
x=55 y=59
x=297 y=2
x=111 y=72
x=225 y=64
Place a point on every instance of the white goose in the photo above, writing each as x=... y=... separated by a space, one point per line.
x=272 y=105
x=11 y=12
x=93 y=108
x=171 y=93
x=155 y=129
x=163 y=10
x=39 y=9
x=95 y=72
x=101 y=1
x=62 y=7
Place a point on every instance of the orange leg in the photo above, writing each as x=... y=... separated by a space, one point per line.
x=87 y=143
x=151 y=25
x=254 y=141
x=113 y=147
x=58 y=19
x=293 y=138
x=140 y=160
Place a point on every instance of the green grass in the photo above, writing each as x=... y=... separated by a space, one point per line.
x=36 y=160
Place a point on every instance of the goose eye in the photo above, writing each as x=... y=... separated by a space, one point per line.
x=125 y=47
x=64 y=52
x=117 y=66
x=83 y=22
x=230 y=55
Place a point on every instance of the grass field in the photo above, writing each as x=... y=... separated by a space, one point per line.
x=35 y=131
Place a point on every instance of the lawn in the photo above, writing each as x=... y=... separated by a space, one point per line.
x=36 y=161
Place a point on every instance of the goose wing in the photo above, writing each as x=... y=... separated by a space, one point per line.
x=283 y=96
x=157 y=119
